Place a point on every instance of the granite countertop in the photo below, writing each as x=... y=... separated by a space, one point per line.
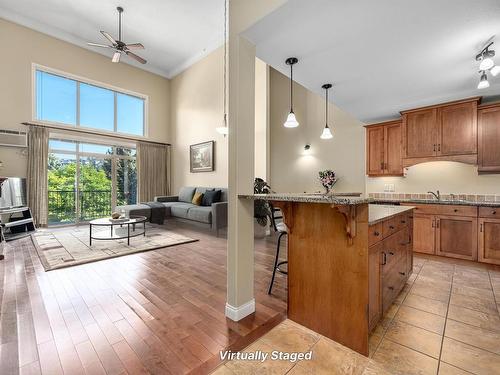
x=380 y=212
x=434 y=201
x=309 y=198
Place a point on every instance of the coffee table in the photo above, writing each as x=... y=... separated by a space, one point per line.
x=107 y=222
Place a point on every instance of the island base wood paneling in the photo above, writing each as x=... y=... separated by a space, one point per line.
x=328 y=270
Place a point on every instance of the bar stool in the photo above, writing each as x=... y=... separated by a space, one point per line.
x=282 y=230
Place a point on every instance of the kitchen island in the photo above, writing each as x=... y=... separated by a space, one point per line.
x=336 y=279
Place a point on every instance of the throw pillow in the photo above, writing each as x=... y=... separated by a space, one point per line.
x=211 y=196
x=197 y=199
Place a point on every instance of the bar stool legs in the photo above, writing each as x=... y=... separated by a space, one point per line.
x=276 y=263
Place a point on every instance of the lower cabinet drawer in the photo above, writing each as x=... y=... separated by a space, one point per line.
x=489 y=212
x=393 y=282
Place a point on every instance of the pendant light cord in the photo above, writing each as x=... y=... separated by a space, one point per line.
x=225 y=64
x=291 y=88
x=326 y=107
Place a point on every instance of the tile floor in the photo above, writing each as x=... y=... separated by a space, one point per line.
x=445 y=321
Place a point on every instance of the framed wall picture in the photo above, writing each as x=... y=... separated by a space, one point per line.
x=201 y=157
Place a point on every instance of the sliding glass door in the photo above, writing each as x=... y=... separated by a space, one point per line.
x=88 y=180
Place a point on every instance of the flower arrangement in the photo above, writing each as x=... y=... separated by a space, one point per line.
x=327 y=179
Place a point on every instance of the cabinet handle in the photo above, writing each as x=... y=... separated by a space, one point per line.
x=391 y=288
x=493 y=212
x=391 y=226
x=439 y=146
x=376 y=233
x=402 y=273
x=437 y=223
x=481 y=227
x=403 y=221
x=384 y=258
x=434 y=147
x=391 y=253
x=455 y=210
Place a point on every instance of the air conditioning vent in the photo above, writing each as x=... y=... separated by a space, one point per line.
x=13 y=138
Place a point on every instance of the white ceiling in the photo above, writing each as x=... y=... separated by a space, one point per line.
x=382 y=56
x=176 y=33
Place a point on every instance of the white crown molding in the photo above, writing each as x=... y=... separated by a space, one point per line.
x=240 y=312
x=67 y=37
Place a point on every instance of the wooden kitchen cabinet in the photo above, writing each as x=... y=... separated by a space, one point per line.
x=489 y=138
x=420 y=133
x=456 y=237
x=374 y=285
x=383 y=149
x=442 y=132
x=457 y=129
x=424 y=233
x=489 y=241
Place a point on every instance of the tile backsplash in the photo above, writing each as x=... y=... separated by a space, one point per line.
x=447 y=196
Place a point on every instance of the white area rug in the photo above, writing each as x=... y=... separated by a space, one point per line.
x=66 y=247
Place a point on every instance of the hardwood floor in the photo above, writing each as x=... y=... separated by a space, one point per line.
x=158 y=312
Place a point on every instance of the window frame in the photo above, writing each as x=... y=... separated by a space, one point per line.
x=37 y=67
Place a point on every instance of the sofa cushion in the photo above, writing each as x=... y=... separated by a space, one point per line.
x=186 y=194
x=197 y=198
x=200 y=214
x=211 y=196
x=181 y=209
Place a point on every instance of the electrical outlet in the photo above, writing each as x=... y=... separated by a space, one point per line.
x=391 y=188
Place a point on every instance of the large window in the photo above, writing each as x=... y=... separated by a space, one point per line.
x=67 y=101
x=88 y=180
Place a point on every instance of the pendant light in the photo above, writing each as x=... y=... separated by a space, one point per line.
x=291 y=121
x=327 y=134
x=223 y=128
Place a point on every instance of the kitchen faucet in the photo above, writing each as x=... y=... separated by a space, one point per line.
x=437 y=196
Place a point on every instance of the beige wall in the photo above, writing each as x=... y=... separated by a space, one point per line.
x=294 y=170
x=261 y=119
x=196 y=110
x=22 y=46
x=447 y=177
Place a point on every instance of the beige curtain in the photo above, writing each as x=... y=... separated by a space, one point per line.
x=38 y=154
x=153 y=170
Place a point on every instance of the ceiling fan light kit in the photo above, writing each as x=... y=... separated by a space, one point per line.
x=119 y=46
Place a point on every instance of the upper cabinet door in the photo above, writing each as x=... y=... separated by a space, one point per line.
x=375 y=150
x=489 y=139
x=458 y=129
x=420 y=133
x=393 y=162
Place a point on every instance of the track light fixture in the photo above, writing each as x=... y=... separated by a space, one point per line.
x=327 y=134
x=483 y=81
x=291 y=120
x=486 y=64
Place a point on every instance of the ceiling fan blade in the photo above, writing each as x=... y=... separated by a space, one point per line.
x=135 y=46
x=116 y=57
x=134 y=56
x=108 y=37
x=98 y=45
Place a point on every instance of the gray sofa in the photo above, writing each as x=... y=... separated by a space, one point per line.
x=180 y=207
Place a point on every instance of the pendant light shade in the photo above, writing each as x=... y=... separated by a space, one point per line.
x=483 y=82
x=327 y=133
x=291 y=120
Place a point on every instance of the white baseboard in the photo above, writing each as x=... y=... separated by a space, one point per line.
x=238 y=313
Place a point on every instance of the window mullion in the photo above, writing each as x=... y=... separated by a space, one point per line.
x=77 y=103
x=115 y=124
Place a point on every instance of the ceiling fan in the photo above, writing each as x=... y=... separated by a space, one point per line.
x=117 y=45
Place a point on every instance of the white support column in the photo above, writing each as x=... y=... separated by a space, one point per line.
x=240 y=255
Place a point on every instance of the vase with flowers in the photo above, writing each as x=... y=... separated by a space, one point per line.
x=328 y=179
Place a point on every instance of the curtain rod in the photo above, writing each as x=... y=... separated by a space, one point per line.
x=93 y=133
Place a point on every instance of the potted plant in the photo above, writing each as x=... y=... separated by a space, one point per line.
x=261 y=207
